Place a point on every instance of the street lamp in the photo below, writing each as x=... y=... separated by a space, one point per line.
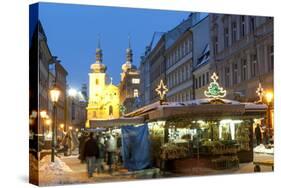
x=269 y=97
x=62 y=129
x=55 y=94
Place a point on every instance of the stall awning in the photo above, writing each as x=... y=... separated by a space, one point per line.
x=201 y=108
x=110 y=123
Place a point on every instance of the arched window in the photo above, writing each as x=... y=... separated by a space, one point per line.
x=97 y=81
x=110 y=110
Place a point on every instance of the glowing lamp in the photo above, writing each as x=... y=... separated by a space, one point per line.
x=55 y=94
x=43 y=114
x=61 y=125
x=269 y=97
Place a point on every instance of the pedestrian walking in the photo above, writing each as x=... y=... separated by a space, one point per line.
x=82 y=140
x=91 y=154
x=100 y=159
x=258 y=134
x=110 y=149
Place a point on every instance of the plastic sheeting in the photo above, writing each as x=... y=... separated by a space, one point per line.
x=135 y=147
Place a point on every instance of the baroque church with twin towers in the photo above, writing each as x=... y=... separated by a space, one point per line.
x=106 y=100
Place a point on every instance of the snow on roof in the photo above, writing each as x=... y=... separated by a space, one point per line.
x=156 y=105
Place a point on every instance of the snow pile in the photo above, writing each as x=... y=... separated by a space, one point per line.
x=262 y=149
x=58 y=167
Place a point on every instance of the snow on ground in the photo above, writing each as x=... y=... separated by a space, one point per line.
x=47 y=167
x=262 y=149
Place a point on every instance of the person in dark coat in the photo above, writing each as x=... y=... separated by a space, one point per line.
x=91 y=152
x=82 y=140
x=258 y=134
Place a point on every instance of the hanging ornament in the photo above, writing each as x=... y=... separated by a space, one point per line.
x=214 y=90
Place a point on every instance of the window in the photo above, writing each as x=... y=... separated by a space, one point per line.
x=242 y=26
x=234 y=31
x=187 y=73
x=235 y=73
x=135 y=80
x=182 y=74
x=190 y=45
x=226 y=37
x=72 y=110
x=203 y=79
x=271 y=58
x=196 y=83
x=136 y=92
x=180 y=54
x=97 y=81
x=216 y=45
x=179 y=75
x=254 y=65
x=243 y=69
x=227 y=77
x=199 y=81
x=252 y=24
x=186 y=47
x=110 y=110
x=182 y=49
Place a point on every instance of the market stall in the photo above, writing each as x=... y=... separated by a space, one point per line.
x=218 y=135
x=212 y=132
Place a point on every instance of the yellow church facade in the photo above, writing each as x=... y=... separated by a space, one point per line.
x=103 y=100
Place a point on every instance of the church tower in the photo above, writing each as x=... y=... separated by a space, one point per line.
x=130 y=82
x=103 y=98
x=97 y=77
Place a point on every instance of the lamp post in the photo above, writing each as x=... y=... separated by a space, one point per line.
x=55 y=94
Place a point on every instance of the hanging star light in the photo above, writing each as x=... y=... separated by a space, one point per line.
x=260 y=92
x=161 y=90
x=214 y=90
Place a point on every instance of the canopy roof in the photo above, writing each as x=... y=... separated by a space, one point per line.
x=110 y=123
x=194 y=109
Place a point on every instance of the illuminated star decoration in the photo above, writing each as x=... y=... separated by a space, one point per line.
x=122 y=109
x=260 y=92
x=214 y=90
x=161 y=90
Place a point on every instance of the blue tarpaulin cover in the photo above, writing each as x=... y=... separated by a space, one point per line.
x=135 y=147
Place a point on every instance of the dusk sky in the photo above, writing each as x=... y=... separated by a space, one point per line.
x=72 y=33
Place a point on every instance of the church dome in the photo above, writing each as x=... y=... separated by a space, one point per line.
x=126 y=66
x=98 y=68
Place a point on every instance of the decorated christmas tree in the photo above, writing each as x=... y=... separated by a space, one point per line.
x=214 y=90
